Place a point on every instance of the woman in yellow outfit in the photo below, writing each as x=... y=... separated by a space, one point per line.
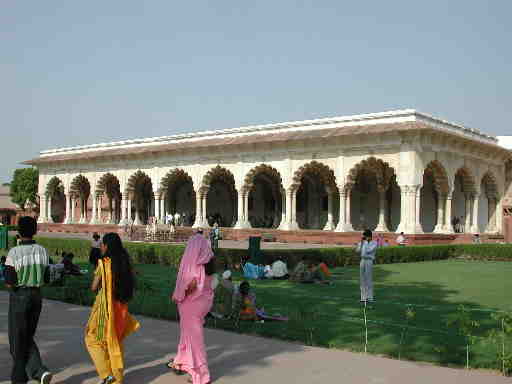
x=110 y=321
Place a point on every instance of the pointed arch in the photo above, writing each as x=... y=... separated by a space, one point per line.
x=81 y=187
x=56 y=200
x=314 y=167
x=315 y=199
x=218 y=173
x=375 y=195
x=174 y=177
x=490 y=185
x=109 y=185
x=437 y=171
x=264 y=186
x=140 y=189
x=218 y=189
x=262 y=169
x=382 y=171
x=54 y=187
x=179 y=197
x=137 y=178
x=467 y=180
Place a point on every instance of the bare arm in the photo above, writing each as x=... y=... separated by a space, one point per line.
x=96 y=283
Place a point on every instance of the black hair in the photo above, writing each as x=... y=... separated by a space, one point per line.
x=367 y=233
x=70 y=256
x=122 y=274
x=244 y=288
x=27 y=227
x=3 y=259
x=95 y=236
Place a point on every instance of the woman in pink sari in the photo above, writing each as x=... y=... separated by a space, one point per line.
x=194 y=296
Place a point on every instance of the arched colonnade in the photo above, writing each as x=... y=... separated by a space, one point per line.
x=368 y=197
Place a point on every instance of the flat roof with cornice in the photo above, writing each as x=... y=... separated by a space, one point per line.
x=406 y=119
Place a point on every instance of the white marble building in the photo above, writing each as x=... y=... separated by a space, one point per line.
x=393 y=171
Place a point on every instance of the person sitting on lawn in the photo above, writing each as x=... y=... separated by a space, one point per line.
x=314 y=274
x=223 y=297
x=298 y=272
x=324 y=269
x=267 y=271
x=279 y=270
x=69 y=267
x=253 y=271
x=246 y=303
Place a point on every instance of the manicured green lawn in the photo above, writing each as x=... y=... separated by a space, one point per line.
x=332 y=316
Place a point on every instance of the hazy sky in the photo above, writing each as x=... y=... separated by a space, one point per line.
x=81 y=72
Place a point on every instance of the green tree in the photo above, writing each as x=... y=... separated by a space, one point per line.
x=24 y=186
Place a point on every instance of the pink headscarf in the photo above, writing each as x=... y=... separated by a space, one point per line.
x=197 y=253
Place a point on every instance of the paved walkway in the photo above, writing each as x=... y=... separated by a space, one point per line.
x=233 y=358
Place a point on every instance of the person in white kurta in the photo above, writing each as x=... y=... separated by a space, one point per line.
x=279 y=270
x=367 y=248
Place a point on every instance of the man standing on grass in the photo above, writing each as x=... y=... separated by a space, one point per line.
x=367 y=248
x=25 y=269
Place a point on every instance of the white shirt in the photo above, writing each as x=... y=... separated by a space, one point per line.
x=279 y=269
x=400 y=239
x=367 y=249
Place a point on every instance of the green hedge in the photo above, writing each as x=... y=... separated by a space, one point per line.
x=170 y=254
x=501 y=252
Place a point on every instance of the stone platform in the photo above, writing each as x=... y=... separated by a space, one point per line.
x=299 y=236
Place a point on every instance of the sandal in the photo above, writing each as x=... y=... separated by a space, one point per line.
x=173 y=368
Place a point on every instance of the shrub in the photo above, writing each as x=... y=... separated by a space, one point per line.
x=170 y=254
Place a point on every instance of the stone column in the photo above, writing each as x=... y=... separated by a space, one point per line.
x=43 y=209
x=404 y=209
x=474 y=209
x=285 y=221
x=110 y=209
x=137 y=215
x=417 y=209
x=204 y=202
x=49 y=210
x=162 y=209
x=99 y=204
x=283 y=209
x=343 y=211
x=247 y=223
x=94 y=218
x=382 y=225
x=329 y=226
x=67 y=219
x=123 y=218
x=491 y=227
x=199 y=211
x=129 y=201
x=293 y=211
x=239 y=210
x=467 y=218
x=73 y=202
x=157 y=207
x=448 y=214
x=441 y=201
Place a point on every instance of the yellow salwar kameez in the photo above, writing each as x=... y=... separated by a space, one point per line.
x=108 y=325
